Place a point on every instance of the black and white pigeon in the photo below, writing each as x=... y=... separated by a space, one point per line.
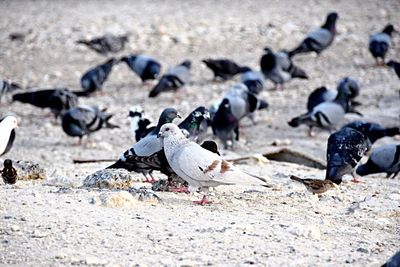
x=7 y=133
x=57 y=100
x=108 y=43
x=8 y=87
x=140 y=126
x=325 y=115
x=94 y=78
x=196 y=124
x=223 y=68
x=147 y=146
x=254 y=80
x=384 y=158
x=84 y=120
x=225 y=125
x=8 y=173
x=345 y=149
x=279 y=68
x=173 y=79
x=373 y=131
x=322 y=94
x=320 y=39
x=395 y=66
x=147 y=68
x=379 y=44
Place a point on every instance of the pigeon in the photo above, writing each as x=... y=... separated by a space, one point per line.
x=254 y=80
x=195 y=125
x=173 y=79
x=322 y=94
x=385 y=158
x=315 y=186
x=145 y=67
x=7 y=133
x=8 y=87
x=225 y=125
x=84 y=120
x=8 y=173
x=279 y=68
x=325 y=115
x=379 y=44
x=94 y=78
x=223 y=68
x=147 y=146
x=58 y=99
x=395 y=66
x=394 y=261
x=199 y=167
x=139 y=125
x=373 y=131
x=108 y=43
x=345 y=149
x=320 y=39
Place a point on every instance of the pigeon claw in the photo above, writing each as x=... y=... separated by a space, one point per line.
x=202 y=202
x=176 y=189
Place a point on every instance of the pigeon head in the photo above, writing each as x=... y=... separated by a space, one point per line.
x=170 y=130
x=167 y=116
x=245 y=69
x=389 y=29
x=135 y=111
x=126 y=59
x=391 y=64
x=202 y=112
x=187 y=64
x=267 y=50
x=350 y=85
x=10 y=122
x=225 y=106
x=7 y=163
x=331 y=21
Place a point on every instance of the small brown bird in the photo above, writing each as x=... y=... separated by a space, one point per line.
x=316 y=186
x=8 y=173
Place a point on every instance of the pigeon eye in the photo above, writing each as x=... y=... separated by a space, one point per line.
x=167 y=129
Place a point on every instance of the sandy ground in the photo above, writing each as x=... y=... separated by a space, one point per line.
x=56 y=222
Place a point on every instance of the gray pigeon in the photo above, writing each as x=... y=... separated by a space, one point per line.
x=108 y=43
x=198 y=166
x=7 y=133
x=173 y=79
x=94 y=78
x=379 y=44
x=146 y=67
x=320 y=39
x=254 y=80
x=279 y=68
x=385 y=158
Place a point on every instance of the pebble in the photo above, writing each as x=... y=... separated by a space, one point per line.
x=120 y=199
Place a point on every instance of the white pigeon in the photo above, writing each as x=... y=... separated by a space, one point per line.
x=199 y=167
x=7 y=135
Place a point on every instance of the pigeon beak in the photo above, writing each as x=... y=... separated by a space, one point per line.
x=179 y=116
x=160 y=134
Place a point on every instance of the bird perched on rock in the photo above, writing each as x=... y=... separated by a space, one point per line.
x=57 y=100
x=173 y=79
x=223 y=68
x=279 y=68
x=84 y=120
x=325 y=115
x=94 y=78
x=195 y=125
x=139 y=124
x=379 y=44
x=8 y=173
x=373 y=131
x=147 y=68
x=147 y=146
x=315 y=186
x=108 y=43
x=320 y=39
x=395 y=66
x=254 y=80
x=345 y=149
x=199 y=167
x=385 y=158
x=8 y=87
x=7 y=133
x=225 y=125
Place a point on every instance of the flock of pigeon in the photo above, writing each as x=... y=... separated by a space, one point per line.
x=182 y=151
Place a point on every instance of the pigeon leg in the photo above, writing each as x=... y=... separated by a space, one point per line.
x=279 y=87
x=310 y=132
x=203 y=201
x=355 y=180
x=152 y=180
x=177 y=189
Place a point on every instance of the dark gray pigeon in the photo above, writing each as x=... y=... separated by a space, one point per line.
x=279 y=68
x=8 y=173
x=373 y=131
x=173 y=79
x=58 y=99
x=385 y=158
x=7 y=133
x=147 y=68
x=94 y=78
x=7 y=87
x=320 y=39
x=108 y=43
x=196 y=124
x=223 y=68
x=345 y=149
x=254 y=80
x=379 y=44
x=84 y=120
x=395 y=66
x=147 y=146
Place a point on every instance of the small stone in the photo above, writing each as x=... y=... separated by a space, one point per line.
x=111 y=179
x=14 y=228
x=362 y=250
